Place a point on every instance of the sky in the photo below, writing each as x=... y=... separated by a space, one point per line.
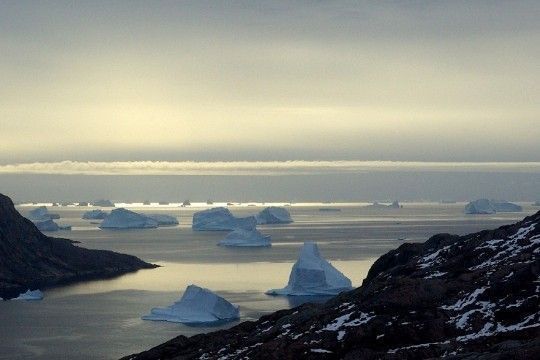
x=108 y=81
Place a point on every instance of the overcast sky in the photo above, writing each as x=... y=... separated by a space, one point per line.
x=269 y=80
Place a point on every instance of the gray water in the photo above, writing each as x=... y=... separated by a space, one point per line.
x=101 y=319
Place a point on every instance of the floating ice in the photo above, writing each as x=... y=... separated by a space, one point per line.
x=377 y=205
x=162 y=219
x=95 y=215
x=313 y=275
x=505 y=206
x=246 y=238
x=126 y=219
x=485 y=206
x=30 y=295
x=274 y=215
x=41 y=214
x=49 y=225
x=103 y=203
x=197 y=305
x=221 y=219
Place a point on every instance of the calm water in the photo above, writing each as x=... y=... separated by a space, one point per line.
x=101 y=319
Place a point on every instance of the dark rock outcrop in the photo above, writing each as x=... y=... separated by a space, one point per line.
x=29 y=259
x=460 y=297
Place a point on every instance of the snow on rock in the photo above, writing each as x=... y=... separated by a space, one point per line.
x=50 y=225
x=41 y=214
x=30 y=295
x=163 y=220
x=485 y=206
x=221 y=219
x=197 y=306
x=246 y=238
x=274 y=215
x=313 y=275
x=95 y=215
x=126 y=219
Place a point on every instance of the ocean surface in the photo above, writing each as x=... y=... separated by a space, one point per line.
x=102 y=319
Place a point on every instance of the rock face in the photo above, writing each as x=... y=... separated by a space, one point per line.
x=221 y=219
x=313 y=275
x=126 y=219
x=50 y=225
x=274 y=215
x=463 y=297
x=29 y=259
x=163 y=220
x=246 y=238
x=95 y=215
x=485 y=206
x=41 y=214
x=197 y=306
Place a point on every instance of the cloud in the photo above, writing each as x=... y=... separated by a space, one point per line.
x=246 y=168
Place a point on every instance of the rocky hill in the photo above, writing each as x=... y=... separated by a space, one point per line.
x=29 y=259
x=459 y=297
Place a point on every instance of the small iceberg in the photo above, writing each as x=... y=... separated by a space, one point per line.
x=125 y=219
x=246 y=238
x=197 y=306
x=103 y=203
x=274 y=215
x=95 y=215
x=30 y=295
x=221 y=219
x=162 y=219
x=50 y=225
x=536 y=203
x=485 y=206
x=41 y=214
x=313 y=275
x=393 y=205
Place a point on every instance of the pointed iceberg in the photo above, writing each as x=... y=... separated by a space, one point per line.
x=274 y=215
x=49 y=225
x=163 y=220
x=246 y=238
x=125 y=219
x=197 y=306
x=41 y=214
x=30 y=295
x=221 y=219
x=313 y=275
x=95 y=215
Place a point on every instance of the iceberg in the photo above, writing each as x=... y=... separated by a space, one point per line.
x=485 y=206
x=50 y=225
x=197 y=306
x=505 y=206
x=95 y=215
x=246 y=238
x=536 y=203
x=313 y=275
x=221 y=219
x=41 y=214
x=162 y=219
x=125 y=219
x=274 y=215
x=30 y=295
x=393 y=205
x=103 y=203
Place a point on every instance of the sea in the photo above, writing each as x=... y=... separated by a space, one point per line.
x=102 y=319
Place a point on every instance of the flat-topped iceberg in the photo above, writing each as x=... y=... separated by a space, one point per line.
x=95 y=215
x=163 y=220
x=313 y=275
x=393 y=205
x=125 y=219
x=485 y=206
x=246 y=238
x=197 y=306
x=41 y=214
x=274 y=215
x=221 y=219
x=50 y=225
x=103 y=203
x=30 y=295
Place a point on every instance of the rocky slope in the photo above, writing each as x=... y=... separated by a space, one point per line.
x=29 y=259
x=468 y=297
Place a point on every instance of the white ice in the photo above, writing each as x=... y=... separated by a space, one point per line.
x=221 y=219
x=246 y=238
x=313 y=275
x=30 y=295
x=197 y=305
x=126 y=219
x=274 y=215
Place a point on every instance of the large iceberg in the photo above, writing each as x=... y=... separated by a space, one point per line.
x=485 y=206
x=163 y=220
x=30 y=295
x=103 y=203
x=197 y=306
x=95 y=215
x=313 y=275
x=125 y=219
x=246 y=238
x=221 y=219
x=50 y=225
x=274 y=215
x=41 y=214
